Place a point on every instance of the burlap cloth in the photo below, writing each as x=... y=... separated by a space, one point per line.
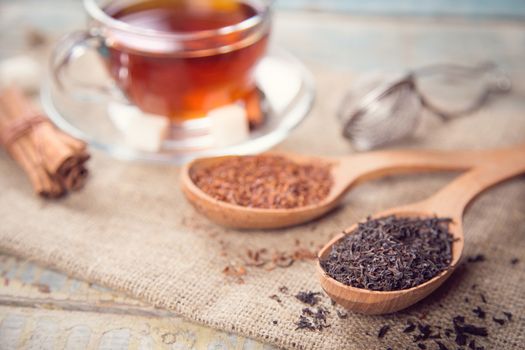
x=131 y=229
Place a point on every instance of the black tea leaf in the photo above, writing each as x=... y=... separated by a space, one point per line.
x=391 y=253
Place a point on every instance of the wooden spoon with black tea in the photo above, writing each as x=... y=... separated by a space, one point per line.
x=346 y=171
x=449 y=202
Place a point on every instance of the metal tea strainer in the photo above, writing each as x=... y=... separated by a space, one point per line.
x=387 y=109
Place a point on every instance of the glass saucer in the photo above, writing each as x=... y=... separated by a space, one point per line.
x=289 y=92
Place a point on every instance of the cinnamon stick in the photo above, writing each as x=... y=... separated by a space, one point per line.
x=53 y=160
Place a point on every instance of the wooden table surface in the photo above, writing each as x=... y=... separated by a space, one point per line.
x=43 y=309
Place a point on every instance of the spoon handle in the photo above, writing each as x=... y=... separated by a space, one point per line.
x=372 y=165
x=452 y=200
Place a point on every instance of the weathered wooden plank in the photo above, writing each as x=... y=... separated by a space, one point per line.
x=11 y=329
x=44 y=309
x=470 y=8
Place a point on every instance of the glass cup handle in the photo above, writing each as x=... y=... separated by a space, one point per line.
x=68 y=49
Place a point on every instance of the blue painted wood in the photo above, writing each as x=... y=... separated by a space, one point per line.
x=464 y=8
x=476 y=8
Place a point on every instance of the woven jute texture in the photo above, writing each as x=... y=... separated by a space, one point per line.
x=131 y=229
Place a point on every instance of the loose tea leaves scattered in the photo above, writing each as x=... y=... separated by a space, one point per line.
x=236 y=272
x=310 y=298
x=342 y=315
x=264 y=181
x=276 y=298
x=483 y=299
x=479 y=312
x=440 y=337
x=425 y=332
x=463 y=330
x=304 y=323
x=476 y=258
x=262 y=258
x=499 y=321
x=383 y=331
x=463 y=334
x=472 y=346
x=313 y=319
x=441 y=346
x=283 y=289
x=410 y=327
x=391 y=253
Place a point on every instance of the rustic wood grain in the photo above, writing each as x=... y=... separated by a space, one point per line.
x=43 y=309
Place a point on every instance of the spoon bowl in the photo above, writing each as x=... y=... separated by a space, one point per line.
x=346 y=173
x=383 y=302
x=449 y=202
x=236 y=216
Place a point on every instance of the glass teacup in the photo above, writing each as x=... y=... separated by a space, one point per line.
x=175 y=58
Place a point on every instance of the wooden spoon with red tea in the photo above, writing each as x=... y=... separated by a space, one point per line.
x=450 y=202
x=346 y=172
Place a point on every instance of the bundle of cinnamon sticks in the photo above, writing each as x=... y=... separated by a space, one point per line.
x=53 y=160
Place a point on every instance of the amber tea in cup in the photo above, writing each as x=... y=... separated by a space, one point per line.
x=178 y=58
